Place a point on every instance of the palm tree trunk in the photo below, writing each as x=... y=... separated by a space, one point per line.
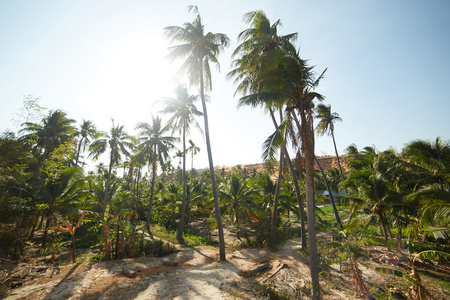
x=336 y=214
x=297 y=188
x=275 y=202
x=307 y=136
x=337 y=156
x=78 y=151
x=105 y=197
x=152 y=189
x=211 y=169
x=383 y=225
x=183 y=203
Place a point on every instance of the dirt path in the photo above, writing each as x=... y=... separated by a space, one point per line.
x=197 y=275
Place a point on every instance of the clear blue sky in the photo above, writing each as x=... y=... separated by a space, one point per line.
x=388 y=66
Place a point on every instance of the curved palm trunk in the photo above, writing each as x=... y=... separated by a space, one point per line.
x=337 y=156
x=297 y=188
x=183 y=204
x=211 y=170
x=152 y=190
x=336 y=214
x=275 y=202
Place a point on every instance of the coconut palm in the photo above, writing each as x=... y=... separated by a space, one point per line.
x=291 y=81
x=194 y=150
x=119 y=143
x=326 y=126
x=54 y=130
x=373 y=185
x=260 y=44
x=87 y=132
x=156 y=145
x=183 y=112
x=200 y=49
x=430 y=162
x=239 y=198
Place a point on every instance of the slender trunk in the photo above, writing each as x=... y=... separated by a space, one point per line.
x=389 y=231
x=41 y=222
x=137 y=181
x=297 y=188
x=33 y=228
x=383 y=225
x=78 y=151
x=44 y=237
x=337 y=156
x=336 y=214
x=117 y=240
x=307 y=136
x=152 y=189
x=211 y=170
x=183 y=203
x=399 y=236
x=108 y=179
x=295 y=181
x=73 y=258
x=275 y=203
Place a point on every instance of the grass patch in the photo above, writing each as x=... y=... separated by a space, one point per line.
x=193 y=239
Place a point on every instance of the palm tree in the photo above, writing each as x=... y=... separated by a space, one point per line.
x=372 y=183
x=430 y=160
x=118 y=142
x=194 y=150
x=87 y=130
x=290 y=80
x=200 y=49
x=156 y=145
x=55 y=130
x=59 y=193
x=430 y=163
x=260 y=44
x=239 y=196
x=326 y=126
x=183 y=112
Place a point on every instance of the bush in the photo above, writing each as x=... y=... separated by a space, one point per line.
x=156 y=247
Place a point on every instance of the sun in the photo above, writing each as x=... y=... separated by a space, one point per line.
x=135 y=74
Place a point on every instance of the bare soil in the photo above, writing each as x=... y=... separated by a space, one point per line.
x=198 y=274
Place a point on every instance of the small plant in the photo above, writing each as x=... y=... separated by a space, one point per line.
x=269 y=291
x=67 y=227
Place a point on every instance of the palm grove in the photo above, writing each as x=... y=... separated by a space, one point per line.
x=45 y=190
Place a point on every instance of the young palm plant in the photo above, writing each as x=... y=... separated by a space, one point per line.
x=118 y=142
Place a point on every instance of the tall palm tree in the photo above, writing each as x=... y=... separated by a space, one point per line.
x=200 y=49
x=326 y=126
x=260 y=44
x=87 y=131
x=54 y=130
x=290 y=80
x=183 y=112
x=156 y=145
x=118 y=142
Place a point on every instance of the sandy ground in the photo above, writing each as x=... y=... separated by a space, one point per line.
x=198 y=275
